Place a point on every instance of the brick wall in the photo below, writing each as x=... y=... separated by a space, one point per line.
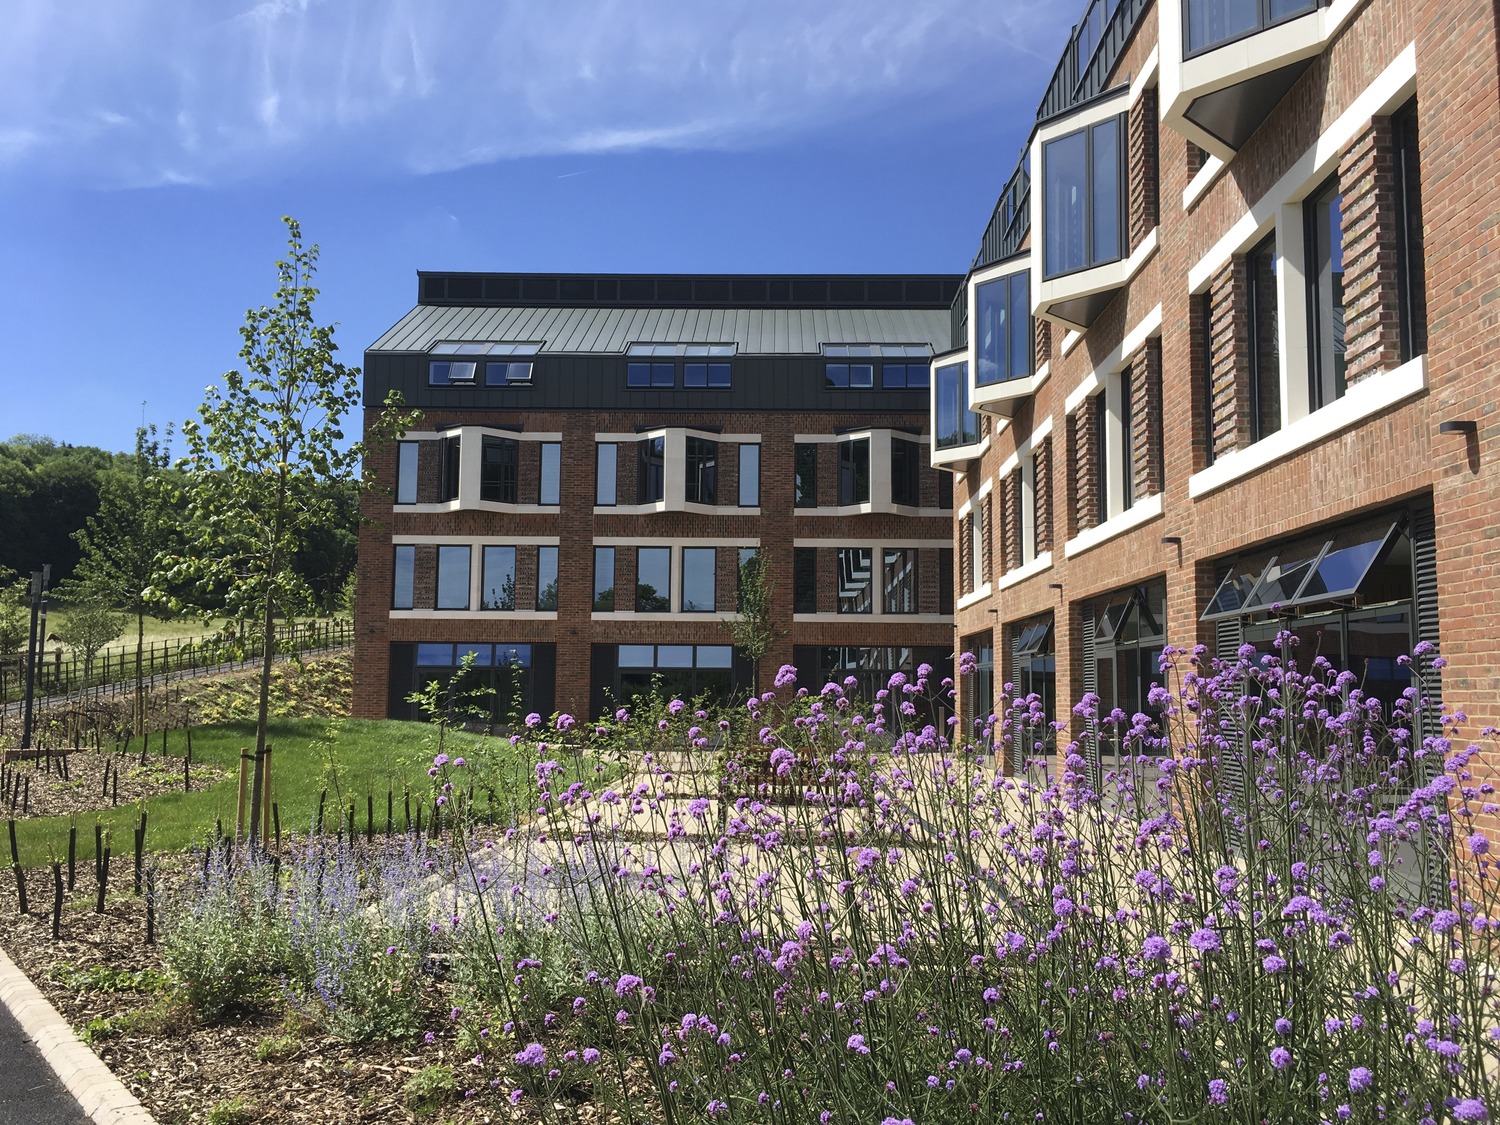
x=1145 y=417
x=1229 y=358
x=1371 y=230
x=1142 y=126
x=1010 y=521
x=1042 y=462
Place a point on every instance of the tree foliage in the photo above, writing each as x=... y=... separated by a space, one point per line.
x=754 y=629
x=267 y=456
x=129 y=548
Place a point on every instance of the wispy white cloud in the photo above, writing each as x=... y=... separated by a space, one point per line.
x=151 y=91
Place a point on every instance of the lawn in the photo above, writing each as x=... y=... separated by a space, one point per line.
x=351 y=757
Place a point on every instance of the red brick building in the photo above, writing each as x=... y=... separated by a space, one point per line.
x=600 y=458
x=1227 y=345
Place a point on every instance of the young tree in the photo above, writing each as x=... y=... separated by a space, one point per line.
x=130 y=544
x=754 y=630
x=261 y=455
x=15 y=619
x=89 y=625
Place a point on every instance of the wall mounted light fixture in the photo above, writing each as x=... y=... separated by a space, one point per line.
x=1462 y=426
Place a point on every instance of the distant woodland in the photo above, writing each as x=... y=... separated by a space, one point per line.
x=48 y=489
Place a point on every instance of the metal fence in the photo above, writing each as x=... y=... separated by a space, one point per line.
x=112 y=671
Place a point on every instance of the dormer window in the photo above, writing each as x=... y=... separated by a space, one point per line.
x=444 y=373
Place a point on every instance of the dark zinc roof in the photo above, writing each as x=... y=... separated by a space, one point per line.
x=610 y=330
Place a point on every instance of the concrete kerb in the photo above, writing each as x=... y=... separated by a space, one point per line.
x=101 y=1095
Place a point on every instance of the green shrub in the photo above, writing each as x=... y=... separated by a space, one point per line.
x=428 y=1090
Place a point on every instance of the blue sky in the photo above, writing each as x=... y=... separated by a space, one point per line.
x=149 y=147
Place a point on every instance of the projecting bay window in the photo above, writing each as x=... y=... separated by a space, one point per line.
x=749 y=474
x=1323 y=224
x=498 y=476
x=1083 y=183
x=451 y=458
x=955 y=427
x=1213 y=23
x=453 y=577
x=651 y=470
x=1002 y=329
x=854 y=472
x=700 y=481
x=404 y=571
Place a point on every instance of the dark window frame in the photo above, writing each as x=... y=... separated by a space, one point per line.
x=1410 y=264
x=805 y=474
x=408 y=585
x=650 y=375
x=1006 y=345
x=966 y=433
x=1264 y=21
x=804 y=580
x=651 y=470
x=656 y=601
x=452 y=467
x=749 y=482
x=546 y=602
x=1264 y=421
x=854 y=477
x=604 y=600
x=549 y=478
x=713 y=376
x=512 y=373
x=844 y=370
x=713 y=578
x=499 y=469
x=700 y=470
x=407 y=475
x=1326 y=324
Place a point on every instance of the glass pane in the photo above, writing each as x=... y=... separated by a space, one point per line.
x=991 y=345
x=1210 y=22
x=906 y=465
x=498 y=590
x=805 y=580
x=1064 y=178
x=551 y=483
x=1343 y=566
x=638 y=375
x=606 y=455
x=653 y=581
x=497 y=470
x=917 y=374
x=893 y=376
x=901 y=580
x=1376 y=641
x=1282 y=9
x=1263 y=264
x=437 y=374
x=406 y=472
x=836 y=375
x=546 y=578
x=695 y=375
x=405 y=578
x=516 y=656
x=698 y=565
x=434 y=656
x=806 y=470
x=1326 y=296
x=861 y=375
x=482 y=654
x=453 y=578
x=854 y=471
x=955 y=424
x=1106 y=197
x=674 y=656
x=718 y=375
x=702 y=469
x=604 y=579
x=1020 y=325
x=1280 y=583
x=1234 y=591
x=651 y=473
x=663 y=374
x=637 y=656
x=854 y=580
x=749 y=475
x=715 y=656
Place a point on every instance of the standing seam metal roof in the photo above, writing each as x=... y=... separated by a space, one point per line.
x=609 y=331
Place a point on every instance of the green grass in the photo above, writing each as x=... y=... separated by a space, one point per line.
x=370 y=755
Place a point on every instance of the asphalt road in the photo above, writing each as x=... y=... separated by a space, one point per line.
x=30 y=1094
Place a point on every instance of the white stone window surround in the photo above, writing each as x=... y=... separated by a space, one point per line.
x=1110 y=275
x=1261 y=52
x=1105 y=380
x=1281 y=210
x=674 y=469
x=470 y=462
x=1023 y=461
x=876 y=547
x=675 y=544
x=880 y=474
x=476 y=545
